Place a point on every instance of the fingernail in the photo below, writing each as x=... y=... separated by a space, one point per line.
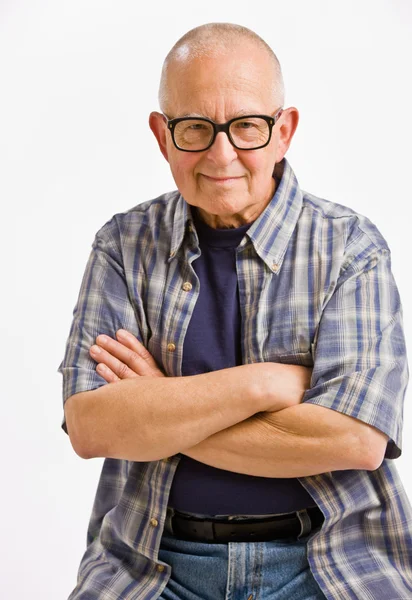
x=122 y=333
x=95 y=349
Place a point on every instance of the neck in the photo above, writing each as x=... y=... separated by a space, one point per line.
x=230 y=221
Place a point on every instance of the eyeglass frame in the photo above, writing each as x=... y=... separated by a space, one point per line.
x=218 y=127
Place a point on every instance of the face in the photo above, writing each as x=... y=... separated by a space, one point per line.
x=230 y=187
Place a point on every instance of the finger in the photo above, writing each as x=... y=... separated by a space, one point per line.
x=131 y=341
x=107 y=373
x=118 y=367
x=130 y=352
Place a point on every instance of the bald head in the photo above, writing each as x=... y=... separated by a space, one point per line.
x=215 y=40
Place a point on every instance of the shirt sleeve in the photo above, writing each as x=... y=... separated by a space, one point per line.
x=360 y=362
x=103 y=306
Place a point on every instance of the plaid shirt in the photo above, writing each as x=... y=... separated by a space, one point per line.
x=317 y=290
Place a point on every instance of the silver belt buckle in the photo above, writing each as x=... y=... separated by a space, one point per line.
x=305 y=522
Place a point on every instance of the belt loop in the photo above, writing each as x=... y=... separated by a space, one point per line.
x=305 y=522
x=168 y=520
x=208 y=530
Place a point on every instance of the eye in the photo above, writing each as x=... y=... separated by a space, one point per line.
x=197 y=126
x=245 y=124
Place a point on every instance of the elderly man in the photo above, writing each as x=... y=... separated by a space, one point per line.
x=250 y=336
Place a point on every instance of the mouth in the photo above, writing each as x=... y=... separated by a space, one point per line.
x=220 y=180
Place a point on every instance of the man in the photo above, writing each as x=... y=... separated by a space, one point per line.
x=256 y=363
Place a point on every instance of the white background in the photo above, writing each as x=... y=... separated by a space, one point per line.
x=77 y=82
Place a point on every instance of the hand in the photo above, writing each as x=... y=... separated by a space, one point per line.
x=124 y=358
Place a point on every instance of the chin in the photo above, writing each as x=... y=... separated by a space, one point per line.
x=222 y=207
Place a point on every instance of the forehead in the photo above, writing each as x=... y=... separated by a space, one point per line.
x=237 y=83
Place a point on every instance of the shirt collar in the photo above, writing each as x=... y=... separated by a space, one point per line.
x=182 y=221
x=270 y=232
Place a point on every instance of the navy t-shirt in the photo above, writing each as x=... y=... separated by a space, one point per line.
x=213 y=342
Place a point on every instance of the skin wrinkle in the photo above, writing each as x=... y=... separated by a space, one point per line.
x=219 y=90
x=302 y=439
x=240 y=84
x=238 y=113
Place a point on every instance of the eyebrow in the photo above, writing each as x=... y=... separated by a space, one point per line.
x=240 y=113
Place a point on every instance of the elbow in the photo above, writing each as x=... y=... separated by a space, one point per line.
x=82 y=452
x=374 y=460
x=75 y=410
x=373 y=448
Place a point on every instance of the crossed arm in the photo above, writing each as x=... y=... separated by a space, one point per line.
x=301 y=440
x=298 y=441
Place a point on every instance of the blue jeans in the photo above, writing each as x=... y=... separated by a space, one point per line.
x=274 y=570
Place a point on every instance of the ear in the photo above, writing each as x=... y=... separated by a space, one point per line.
x=288 y=123
x=158 y=126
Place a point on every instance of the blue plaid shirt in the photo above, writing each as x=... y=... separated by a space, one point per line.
x=316 y=278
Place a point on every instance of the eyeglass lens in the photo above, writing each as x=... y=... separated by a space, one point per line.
x=246 y=133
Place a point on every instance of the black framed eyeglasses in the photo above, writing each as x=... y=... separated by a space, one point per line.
x=196 y=134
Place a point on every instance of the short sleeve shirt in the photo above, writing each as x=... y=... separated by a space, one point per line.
x=316 y=279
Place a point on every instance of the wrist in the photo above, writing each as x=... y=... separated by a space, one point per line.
x=279 y=386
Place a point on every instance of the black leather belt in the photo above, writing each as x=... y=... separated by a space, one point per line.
x=291 y=525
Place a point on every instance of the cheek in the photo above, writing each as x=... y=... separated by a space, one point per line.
x=256 y=166
x=262 y=166
x=183 y=166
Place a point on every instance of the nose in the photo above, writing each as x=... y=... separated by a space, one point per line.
x=222 y=152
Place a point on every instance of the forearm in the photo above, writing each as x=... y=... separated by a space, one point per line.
x=148 y=418
x=295 y=442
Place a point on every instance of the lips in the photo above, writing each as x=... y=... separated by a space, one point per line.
x=220 y=179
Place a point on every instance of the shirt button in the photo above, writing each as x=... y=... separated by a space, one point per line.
x=171 y=347
x=187 y=286
x=172 y=254
x=154 y=522
x=275 y=267
x=160 y=568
